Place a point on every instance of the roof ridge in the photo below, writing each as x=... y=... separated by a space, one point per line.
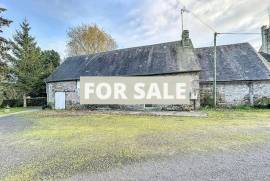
x=122 y=49
x=144 y=46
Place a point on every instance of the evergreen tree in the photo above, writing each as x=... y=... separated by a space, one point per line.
x=3 y=42
x=3 y=54
x=26 y=62
x=50 y=61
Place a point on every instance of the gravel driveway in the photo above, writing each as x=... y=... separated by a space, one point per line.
x=10 y=154
x=13 y=124
x=248 y=165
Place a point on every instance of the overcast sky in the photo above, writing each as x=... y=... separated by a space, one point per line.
x=139 y=22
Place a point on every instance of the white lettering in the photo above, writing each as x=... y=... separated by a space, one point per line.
x=181 y=90
x=166 y=92
x=89 y=89
x=107 y=91
x=119 y=91
x=139 y=92
x=154 y=92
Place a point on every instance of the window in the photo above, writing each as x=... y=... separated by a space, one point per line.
x=151 y=106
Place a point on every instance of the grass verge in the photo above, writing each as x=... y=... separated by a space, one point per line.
x=11 y=110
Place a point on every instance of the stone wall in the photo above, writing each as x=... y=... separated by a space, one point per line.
x=72 y=91
x=69 y=87
x=261 y=89
x=237 y=93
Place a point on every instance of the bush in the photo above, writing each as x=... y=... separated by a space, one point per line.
x=32 y=102
x=12 y=103
x=239 y=107
x=1 y=98
x=39 y=101
x=207 y=100
x=48 y=106
x=262 y=103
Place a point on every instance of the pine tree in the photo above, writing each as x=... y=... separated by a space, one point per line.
x=3 y=54
x=50 y=61
x=3 y=42
x=26 y=61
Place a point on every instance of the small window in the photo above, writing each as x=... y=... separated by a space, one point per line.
x=151 y=105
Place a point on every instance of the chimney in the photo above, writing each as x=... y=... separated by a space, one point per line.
x=185 y=54
x=186 y=41
x=265 y=40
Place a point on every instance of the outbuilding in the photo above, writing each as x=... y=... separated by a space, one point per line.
x=243 y=75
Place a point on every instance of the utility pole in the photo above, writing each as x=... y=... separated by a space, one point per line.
x=215 y=71
x=215 y=46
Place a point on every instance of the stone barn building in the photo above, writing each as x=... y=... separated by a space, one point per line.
x=243 y=75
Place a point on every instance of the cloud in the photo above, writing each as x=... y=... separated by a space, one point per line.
x=160 y=21
x=143 y=22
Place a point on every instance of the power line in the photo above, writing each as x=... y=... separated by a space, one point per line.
x=213 y=29
x=202 y=21
x=240 y=33
x=215 y=48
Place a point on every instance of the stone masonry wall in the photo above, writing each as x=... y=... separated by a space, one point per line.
x=69 y=87
x=238 y=93
x=261 y=89
x=72 y=91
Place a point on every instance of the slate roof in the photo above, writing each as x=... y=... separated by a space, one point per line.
x=235 y=62
x=146 y=60
x=266 y=56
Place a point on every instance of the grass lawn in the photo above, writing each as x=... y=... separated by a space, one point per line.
x=62 y=144
x=11 y=110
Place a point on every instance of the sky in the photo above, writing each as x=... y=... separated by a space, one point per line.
x=139 y=22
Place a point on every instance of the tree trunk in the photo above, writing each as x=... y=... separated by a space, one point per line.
x=24 y=101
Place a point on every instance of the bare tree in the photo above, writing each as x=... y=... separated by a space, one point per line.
x=89 y=39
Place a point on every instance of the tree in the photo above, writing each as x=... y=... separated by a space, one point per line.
x=3 y=42
x=50 y=60
x=89 y=39
x=3 y=54
x=27 y=67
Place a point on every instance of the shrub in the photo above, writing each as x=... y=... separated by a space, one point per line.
x=39 y=101
x=263 y=102
x=207 y=100
x=239 y=107
x=48 y=106
x=32 y=102
x=12 y=103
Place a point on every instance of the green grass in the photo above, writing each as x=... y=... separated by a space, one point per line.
x=11 y=110
x=69 y=143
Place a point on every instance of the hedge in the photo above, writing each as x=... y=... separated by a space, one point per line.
x=32 y=102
